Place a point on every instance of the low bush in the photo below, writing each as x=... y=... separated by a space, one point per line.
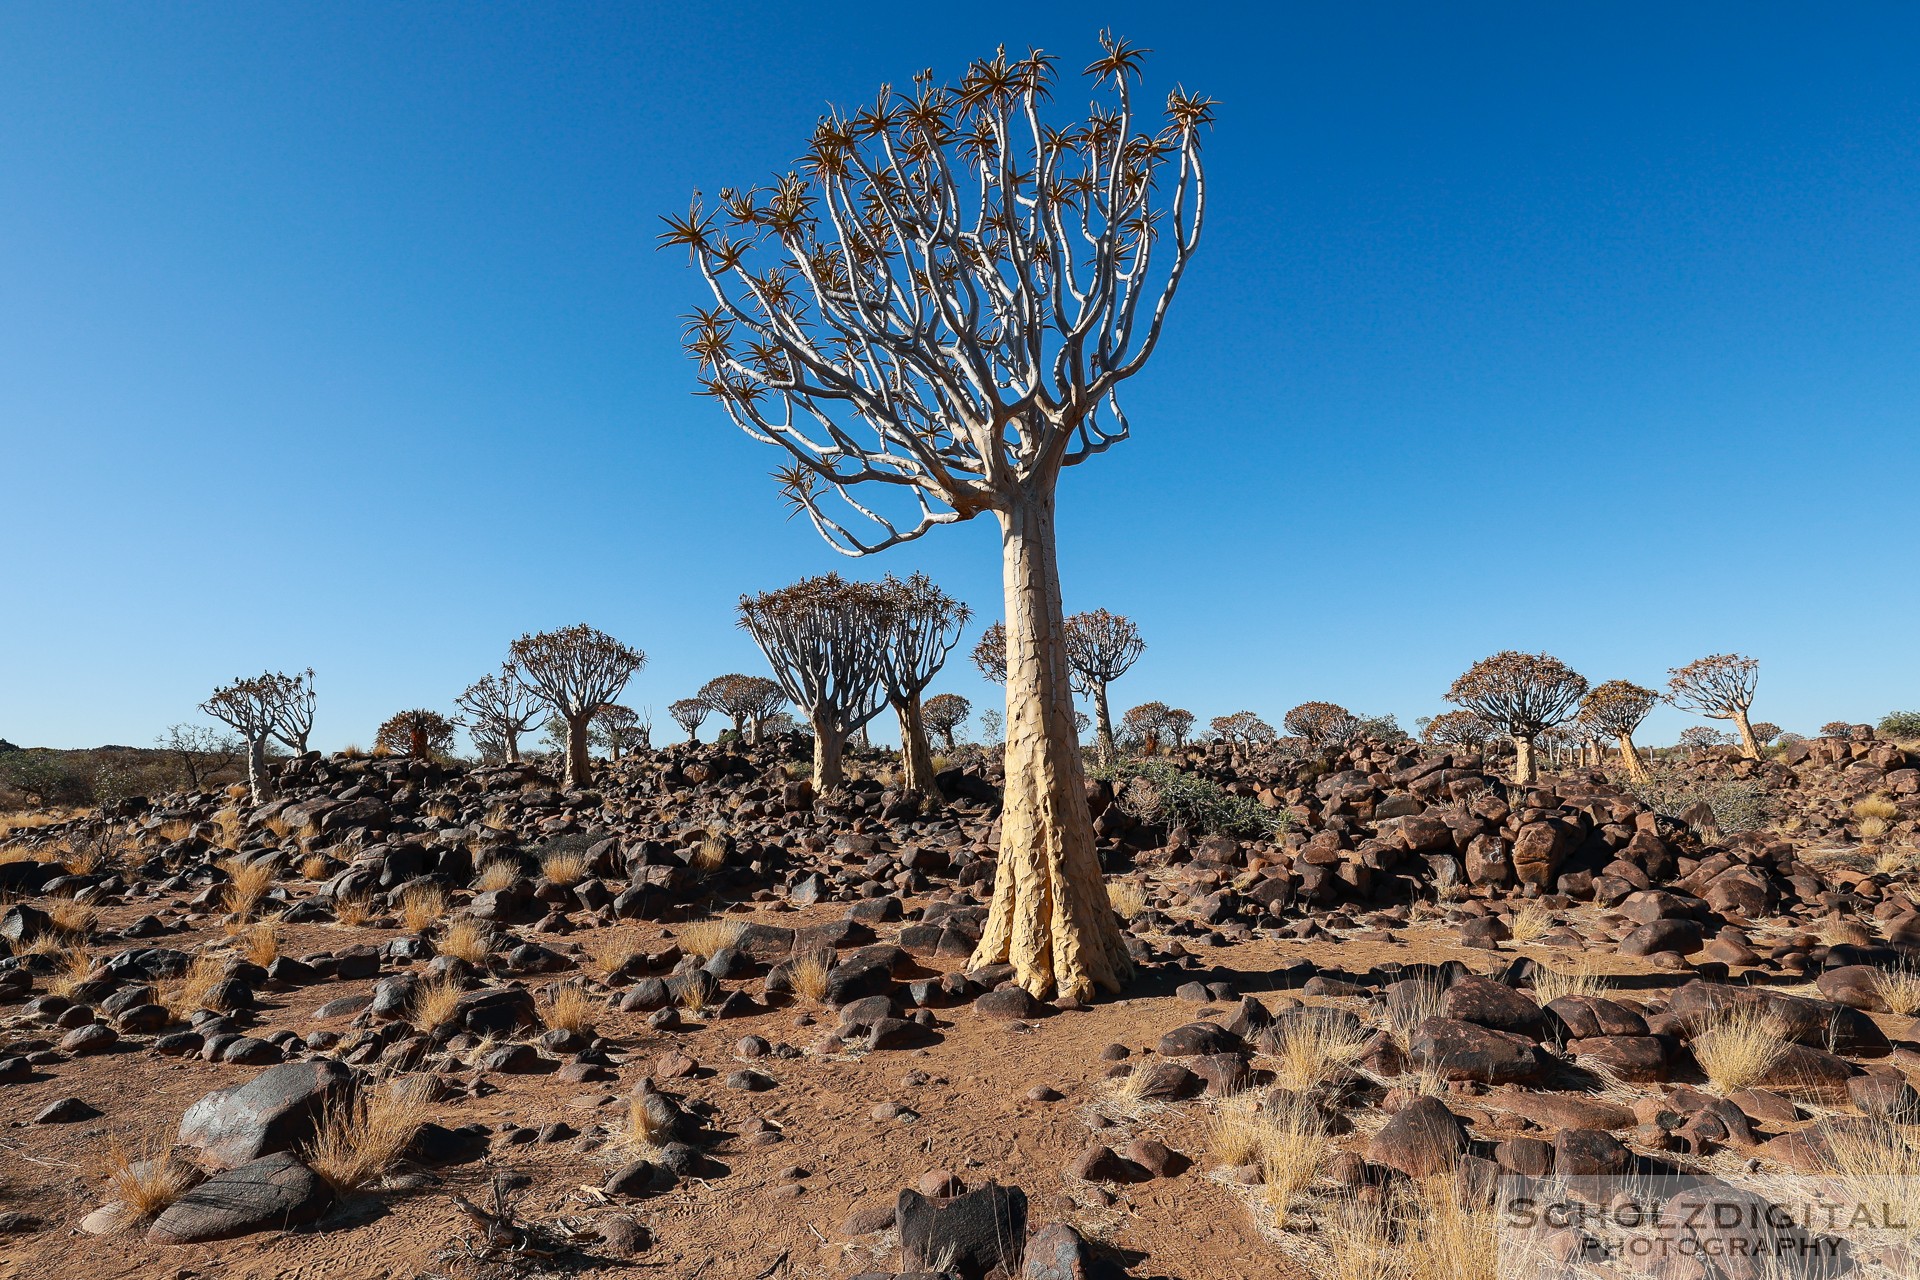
x=1156 y=792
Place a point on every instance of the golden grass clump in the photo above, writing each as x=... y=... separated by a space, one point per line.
x=444 y=810
x=315 y=866
x=72 y=919
x=499 y=817
x=1456 y=1233
x=647 y=1128
x=568 y=867
x=1235 y=1132
x=693 y=997
x=709 y=855
x=1411 y=1003
x=1877 y=1164
x=1293 y=1146
x=611 y=950
x=703 y=938
x=1313 y=1047
x=434 y=1003
x=1876 y=807
x=228 y=828
x=1872 y=828
x=353 y=910
x=467 y=939
x=76 y=966
x=280 y=827
x=1581 y=980
x=1741 y=1045
x=260 y=944
x=143 y=1175
x=808 y=975
x=496 y=876
x=188 y=993
x=365 y=1136
x=421 y=907
x=247 y=884
x=571 y=1007
x=1360 y=1241
x=1900 y=988
x=1128 y=898
x=1530 y=922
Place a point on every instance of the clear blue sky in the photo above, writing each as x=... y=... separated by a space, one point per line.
x=336 y=336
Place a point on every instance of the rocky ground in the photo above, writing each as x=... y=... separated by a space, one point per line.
x=411 y=1020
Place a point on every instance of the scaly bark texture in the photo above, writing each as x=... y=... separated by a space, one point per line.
x=1525 y=770
x=1050 y=918
x=829 y=757
x=1630 y=759
x=1748 y=743
x=915 y=757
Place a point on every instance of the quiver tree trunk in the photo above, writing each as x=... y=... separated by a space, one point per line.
x=1525 y=771
x=1105 y=720
x=1050 y=919
x=579 y=765
x=1748 y=743
x=916 y=759
x=829 y=756
x=1630 y=759
x=511 y=741
x=258 y=779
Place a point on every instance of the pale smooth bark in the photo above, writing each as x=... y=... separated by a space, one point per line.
x=1050 y=918
x=1748 y=743
x=1107 y=751
x=258 y=779
x=1525 y=771
x=579 y=768
x=1630 y=757
x=916 y=758
x=829 y=756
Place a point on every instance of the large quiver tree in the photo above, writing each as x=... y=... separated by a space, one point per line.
x=826 y=639
x=933 y=321
x=420 y=733
x=1523 y=695
x=923 y=625
x=1719 y=687
x=1616 y=710
x=1321 y=723
x=499 y=709
x=575 y=671
x=251 y=708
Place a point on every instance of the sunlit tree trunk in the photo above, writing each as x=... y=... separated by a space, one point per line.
x=579 y=765
x=1630 y=757
x=1105 y=720
x=1050 y=919
x=1525 y=771
x=829 y=757
x=258 y=779
x=1748 y=743
x=916 y=758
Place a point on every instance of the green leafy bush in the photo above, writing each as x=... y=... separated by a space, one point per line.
x=1900 y=724
x=1156 y=792
x=1738 y=804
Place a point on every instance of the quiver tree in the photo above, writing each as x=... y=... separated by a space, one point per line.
x=499 y=709
x=1178 y=724
x=618 y=728
x=689 y=714
x=938 y=312
x=250 y=707
x=1242 y=727
x=923 y=624
x=1703 y=738
x=826 y=639
x=575 y=671
x=293 y=705
x=1321 y=723
x=1765 y=731
x=745 y=700
x=419 y=733
x=1719 y=687
x=1145 y=724
x=944 y=714
x=1100 y=648
x=990 y=654
x=1522 y=695
x=1457 y=729
x=1617 y=709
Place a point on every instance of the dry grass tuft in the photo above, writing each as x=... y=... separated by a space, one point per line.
x=364 y=1137
x=611 y=950
x=1412 y=1003
x=709 y=855
x=1581 y=980
x=1739 y=1048
x=1900 y=988
x=1873 y=828
x=571 y=1007
x=72 y=919
x=499 y=817
x=808 y=975
x=261 y=943
x=247 y=884
x=1127 y=897
x=647 y=1128
x=143 y=1174
x=1531 y=921
x=1235 y=1133
x=1457 y=1235
x=567 y=867
x=1893 y=862
x=192 y=991
x=1876 y=807
x=1312 y=1048
x=315 y=866
x=703 y=938
x=76 y=966
x=421 y=907
x=353 y=910
x=443 y=810
x=1360 y=1241
x=1293 y=1147
x=466 y=939
x=1876 y=1164
x=174 y=829
x=496 y=876
x=434 y=1003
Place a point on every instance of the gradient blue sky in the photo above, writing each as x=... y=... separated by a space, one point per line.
x=335 y=336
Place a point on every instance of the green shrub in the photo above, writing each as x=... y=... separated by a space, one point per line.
x=1900 y=724
x=1156 y=792
x=1738 y=804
